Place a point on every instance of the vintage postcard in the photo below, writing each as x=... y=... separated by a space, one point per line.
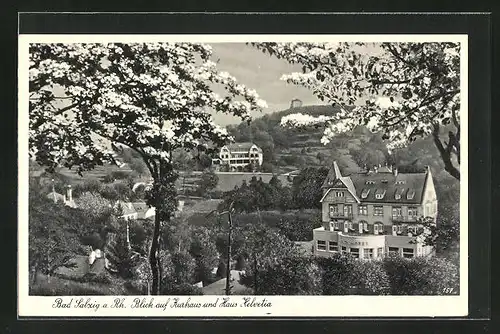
x=243 y=175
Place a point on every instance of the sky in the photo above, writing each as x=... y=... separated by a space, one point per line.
x=261 y=72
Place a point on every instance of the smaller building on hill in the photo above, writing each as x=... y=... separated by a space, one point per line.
x=128 y=210
x=239 y=155
x=66 y=199
x=295 y=103
x=143 y=210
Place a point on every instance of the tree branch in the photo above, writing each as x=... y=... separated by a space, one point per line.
x=445 y=153
x=59 y=112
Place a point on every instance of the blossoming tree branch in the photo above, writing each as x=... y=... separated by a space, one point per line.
x=405 y=90
x=151 y=97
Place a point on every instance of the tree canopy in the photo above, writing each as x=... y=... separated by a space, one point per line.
x=406 y=90
x=150 y=97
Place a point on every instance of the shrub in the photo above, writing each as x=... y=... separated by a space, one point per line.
x=135 y=287
x=183 y=289
x=421 y=276
x=266 y=167
x=108 y=178
x=240 y=262
x=291 y=275
x=345 y=275
x=76 y=289
x=102 y=278
x=221 y=270
x=93 y=240
x=120 y=174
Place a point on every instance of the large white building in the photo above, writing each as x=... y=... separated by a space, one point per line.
x=374 y=213
x=239 y=155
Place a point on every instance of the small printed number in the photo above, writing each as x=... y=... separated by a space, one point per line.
x=448 y=290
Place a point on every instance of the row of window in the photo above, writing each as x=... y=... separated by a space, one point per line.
x=385 y=181
x=378 y=210
x=228 y=156
x=378 y=227
x=380 y=193
x=368 y=253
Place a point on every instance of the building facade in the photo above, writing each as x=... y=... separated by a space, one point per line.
x=373 y=213
x=239 y=155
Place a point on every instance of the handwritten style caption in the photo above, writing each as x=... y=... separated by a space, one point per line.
x=157 y=303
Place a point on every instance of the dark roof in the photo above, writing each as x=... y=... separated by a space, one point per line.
x=383 y=182
x=141 y=208
x=384 y=169
x=390 y=184
x=245 y=146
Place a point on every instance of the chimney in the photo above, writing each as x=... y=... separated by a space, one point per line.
x=395 y=171
x=69 y=193
x=375 y=169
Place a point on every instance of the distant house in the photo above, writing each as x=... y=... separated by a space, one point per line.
x=239 y=155
x=128 y=210
x=143 y=210
x=66 y=199
x=140 y=210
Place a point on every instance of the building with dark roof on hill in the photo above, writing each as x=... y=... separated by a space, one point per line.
x=239 y=155
x=376 y=212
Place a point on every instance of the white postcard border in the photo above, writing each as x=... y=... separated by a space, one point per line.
x=282 y=306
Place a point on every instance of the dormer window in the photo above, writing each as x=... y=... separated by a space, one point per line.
x=411 y=194
x=384 y=181
x=330 y=182
x=398 y=193
x=400 y=182
x=370 y=182
x=379 y=194
x=364 y=193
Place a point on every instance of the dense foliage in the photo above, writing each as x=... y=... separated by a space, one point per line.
x=150 y=97
x=407 y=90
x=305 y=193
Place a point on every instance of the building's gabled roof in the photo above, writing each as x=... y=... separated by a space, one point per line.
x=384 y=169
x=392 y=185
x=241 y=147
x=379 y=187
x=127 y=208
x=334 y=179
x=141 y=208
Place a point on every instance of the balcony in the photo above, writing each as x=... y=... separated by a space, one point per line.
x=404 y=219
x=341 y=215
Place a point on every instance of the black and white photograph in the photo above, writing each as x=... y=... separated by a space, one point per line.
x=261 y=168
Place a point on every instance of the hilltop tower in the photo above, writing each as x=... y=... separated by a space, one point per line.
x=295 y=103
